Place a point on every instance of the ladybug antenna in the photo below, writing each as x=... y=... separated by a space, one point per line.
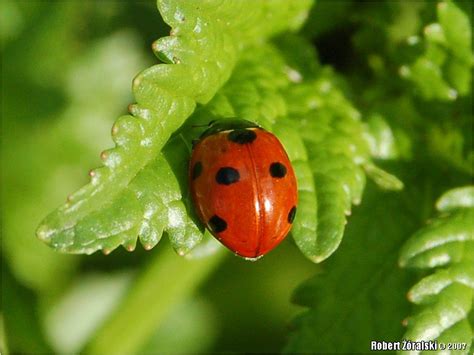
x=203 y=125
x=199 y=125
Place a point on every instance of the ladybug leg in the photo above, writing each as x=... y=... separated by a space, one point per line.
x=194 y=142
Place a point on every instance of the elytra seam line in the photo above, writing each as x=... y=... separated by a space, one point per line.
x=261 y=213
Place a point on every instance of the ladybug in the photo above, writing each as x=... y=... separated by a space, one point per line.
x=243 y=186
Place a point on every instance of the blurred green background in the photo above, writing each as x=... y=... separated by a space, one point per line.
x=67 y=68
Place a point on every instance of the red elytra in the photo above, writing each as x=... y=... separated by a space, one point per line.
x=243 y=186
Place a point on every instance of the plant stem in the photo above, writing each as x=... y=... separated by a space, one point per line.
x=166 y=281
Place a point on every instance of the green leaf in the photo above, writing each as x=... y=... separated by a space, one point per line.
x=443 y=71
x=135 y=192
x=381 y=138
x=452 y=305
x=304 y=230
x=426 y=290
x=358 y=297
x=428 y=77
x=457 y=30
x=451 y=144
x=445 y=240
x=382 y=178
x=339 y=156
x=446 y=297
x=461 y=197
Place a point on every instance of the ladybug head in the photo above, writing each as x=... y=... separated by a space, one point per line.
x=227 y=124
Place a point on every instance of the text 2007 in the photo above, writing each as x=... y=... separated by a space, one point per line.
x=453 y=346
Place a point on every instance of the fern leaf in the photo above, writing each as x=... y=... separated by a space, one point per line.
x=118 y=204
x=444 y=70
x=357 y=295
x=339 y=156
x=461 y=197
x=445 y=298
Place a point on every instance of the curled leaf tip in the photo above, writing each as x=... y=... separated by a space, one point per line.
x=382 y=178
x=461 y=197
x=44 y=233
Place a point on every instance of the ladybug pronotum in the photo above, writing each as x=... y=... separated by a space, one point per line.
x=243 y=186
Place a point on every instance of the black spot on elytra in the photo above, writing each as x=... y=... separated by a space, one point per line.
x=227 y=176
x=197 y=170
x=242 y=136
x=217 y=224
x=277 y=170
x=292 y=214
